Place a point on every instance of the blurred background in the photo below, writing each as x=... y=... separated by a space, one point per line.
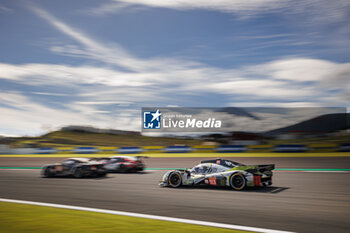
x=77 y=74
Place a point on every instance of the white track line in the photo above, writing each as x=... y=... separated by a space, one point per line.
x=313 y=171
x=148 y=216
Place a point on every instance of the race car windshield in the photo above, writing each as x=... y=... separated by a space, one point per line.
x=199 y=169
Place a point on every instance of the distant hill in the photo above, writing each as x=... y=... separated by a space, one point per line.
x=323 y=124
x=237 y=112
x=89 y=129
x=89 y=136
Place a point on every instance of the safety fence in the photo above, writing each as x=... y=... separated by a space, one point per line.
x=345 y=147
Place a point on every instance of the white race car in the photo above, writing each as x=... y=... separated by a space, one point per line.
x=122 y=163
x=220 y=172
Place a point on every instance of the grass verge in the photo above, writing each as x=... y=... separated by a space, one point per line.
x=30 y=218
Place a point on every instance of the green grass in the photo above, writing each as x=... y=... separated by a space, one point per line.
x=73 y=138
x=31 y=218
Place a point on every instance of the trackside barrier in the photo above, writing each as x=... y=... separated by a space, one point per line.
x=178 y=149
x=345 y=147
x=319 y=147
x=47 y=150
x=203 y=149
x=65 y=150
x=230 y=148
x=85 y=150
x=290 y=148
x=260 y=148
x=23 y=151
x=153 y=149
x=107 y=149
x=129 y=150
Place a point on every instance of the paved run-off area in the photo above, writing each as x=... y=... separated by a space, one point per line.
x=301 y=202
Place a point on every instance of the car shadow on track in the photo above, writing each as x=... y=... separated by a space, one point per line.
x=128 y=173
x=109 y=175
x=270 y=189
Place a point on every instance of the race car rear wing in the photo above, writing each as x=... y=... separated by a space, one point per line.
x=260 y=168
x=223 y=162
x=266 y=167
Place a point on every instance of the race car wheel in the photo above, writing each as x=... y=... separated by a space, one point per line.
x=122 y=168
x=78 y=173
x=237 y=181
x=47 y=172
x=175 y=180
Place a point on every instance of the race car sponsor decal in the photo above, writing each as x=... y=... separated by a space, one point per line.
x=59 y=168
x=229 y=163
x=212 y=180
x=257 y=180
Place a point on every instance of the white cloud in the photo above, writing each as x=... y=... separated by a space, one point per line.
x=127 y=80
x=102 y=102
x=111 y=54
x=279 y=84
x=315 y=10
x=5 y=9
x=48 y=93
x=232 y=6
x=222 y=5
x=301 y=69
x=284 y=79
x=28 y=117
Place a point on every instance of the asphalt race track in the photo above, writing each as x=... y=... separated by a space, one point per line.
x=297 y=201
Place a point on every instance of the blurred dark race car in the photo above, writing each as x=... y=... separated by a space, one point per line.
x=122 y=163
x=220 y=172
x=76 y=167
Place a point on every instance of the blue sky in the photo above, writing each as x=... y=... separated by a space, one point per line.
x=98 y=62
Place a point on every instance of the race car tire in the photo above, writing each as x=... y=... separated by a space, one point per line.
x=47 y=173
x=175 y=180
x=78 y=172
x=122 y=168
x=238 y=181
